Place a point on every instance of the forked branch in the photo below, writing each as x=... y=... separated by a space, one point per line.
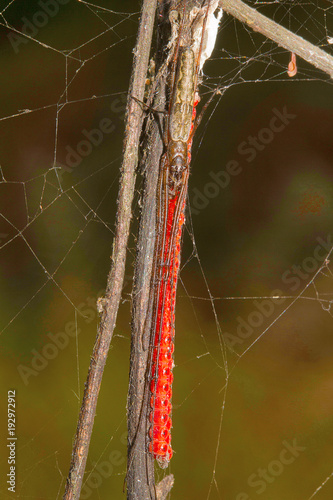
x=283 y=37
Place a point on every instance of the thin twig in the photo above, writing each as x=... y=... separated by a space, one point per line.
x=140 y=465
x=283 y=37
x=110 y=304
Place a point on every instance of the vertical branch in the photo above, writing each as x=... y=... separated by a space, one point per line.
x=140 y=468
x=140 y=472
x=109 y=305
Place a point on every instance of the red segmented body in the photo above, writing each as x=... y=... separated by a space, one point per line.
x=169 y=240
x=170 y=217
x=162 y=377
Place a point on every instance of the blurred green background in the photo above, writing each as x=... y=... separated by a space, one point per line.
x=242 y=242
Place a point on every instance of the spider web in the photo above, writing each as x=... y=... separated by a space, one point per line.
x=252 y=407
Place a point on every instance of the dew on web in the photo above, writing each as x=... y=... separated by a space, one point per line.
x=252 y=378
